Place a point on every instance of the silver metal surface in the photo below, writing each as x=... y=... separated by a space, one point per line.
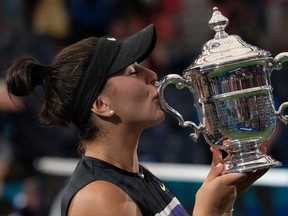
x=232 y=92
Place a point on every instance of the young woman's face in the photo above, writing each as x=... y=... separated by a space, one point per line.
x=133 y=96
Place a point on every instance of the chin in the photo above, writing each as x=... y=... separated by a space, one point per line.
x=159 y=120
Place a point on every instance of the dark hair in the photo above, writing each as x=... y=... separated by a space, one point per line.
x=60 y=82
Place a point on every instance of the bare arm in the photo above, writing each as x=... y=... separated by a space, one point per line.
x=101 y=198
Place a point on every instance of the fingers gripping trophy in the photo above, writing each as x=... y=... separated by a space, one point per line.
x=232 y=93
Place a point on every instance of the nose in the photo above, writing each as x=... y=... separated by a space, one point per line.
x=151 y=77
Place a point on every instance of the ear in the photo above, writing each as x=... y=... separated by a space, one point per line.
x=100 y=107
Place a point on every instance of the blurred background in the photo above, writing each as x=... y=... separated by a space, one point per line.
x=42 y=27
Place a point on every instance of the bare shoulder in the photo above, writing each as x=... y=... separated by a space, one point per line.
x=103 y=198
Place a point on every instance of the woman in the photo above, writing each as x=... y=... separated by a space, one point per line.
x=98 y=85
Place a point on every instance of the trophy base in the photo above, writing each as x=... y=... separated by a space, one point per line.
x=264 y=162
x=246 y=157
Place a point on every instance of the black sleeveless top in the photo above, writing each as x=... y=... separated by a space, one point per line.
x=149 y=193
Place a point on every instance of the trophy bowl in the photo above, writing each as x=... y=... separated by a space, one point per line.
x=232 y=92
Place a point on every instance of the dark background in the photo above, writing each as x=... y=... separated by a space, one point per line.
x=42 y=27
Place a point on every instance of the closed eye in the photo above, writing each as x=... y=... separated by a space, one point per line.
x=134 y=73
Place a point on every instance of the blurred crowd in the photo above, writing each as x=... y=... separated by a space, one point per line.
x=42 y=27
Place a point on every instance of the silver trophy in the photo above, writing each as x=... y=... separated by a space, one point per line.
x=232 y=92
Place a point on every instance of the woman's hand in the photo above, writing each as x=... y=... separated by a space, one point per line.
x=250 y=178
x=219 y=191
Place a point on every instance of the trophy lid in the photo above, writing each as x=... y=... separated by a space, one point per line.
x=225 y=49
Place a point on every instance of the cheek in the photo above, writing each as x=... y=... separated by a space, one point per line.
x=136 y=97
x=129 y=96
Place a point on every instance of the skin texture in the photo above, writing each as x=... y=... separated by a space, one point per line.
x=103 y=198
x=132 y=95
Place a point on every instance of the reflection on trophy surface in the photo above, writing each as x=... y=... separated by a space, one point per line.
x=232 y=92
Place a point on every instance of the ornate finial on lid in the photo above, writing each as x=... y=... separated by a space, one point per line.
x=218 y=23
x=225 y=49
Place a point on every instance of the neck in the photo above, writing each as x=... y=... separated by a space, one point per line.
x=134 y=168
x=118 y=148
x=118 y=160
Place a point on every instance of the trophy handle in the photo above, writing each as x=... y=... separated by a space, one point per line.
x=278 y=63
x=279 y=59
x=180 y=83
x=280 y=113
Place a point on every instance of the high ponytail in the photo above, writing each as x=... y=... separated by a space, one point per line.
x=23 y=75
x=26 y=73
